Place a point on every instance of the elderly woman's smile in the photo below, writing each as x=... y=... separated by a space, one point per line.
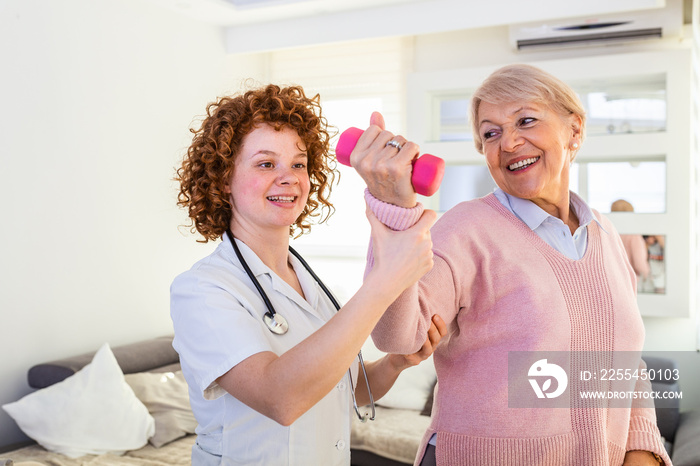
x=522 y=164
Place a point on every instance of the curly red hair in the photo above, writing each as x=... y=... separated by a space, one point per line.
x=209 y=163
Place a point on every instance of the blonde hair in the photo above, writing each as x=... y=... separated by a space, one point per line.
x=520 y=82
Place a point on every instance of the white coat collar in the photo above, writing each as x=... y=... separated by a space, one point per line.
x=263 y=272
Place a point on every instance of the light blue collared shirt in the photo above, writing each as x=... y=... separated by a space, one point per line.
x=551 y=229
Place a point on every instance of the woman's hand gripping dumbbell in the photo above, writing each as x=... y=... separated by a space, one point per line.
x=427 y=170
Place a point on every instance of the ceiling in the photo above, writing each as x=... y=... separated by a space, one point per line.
x=260 y=25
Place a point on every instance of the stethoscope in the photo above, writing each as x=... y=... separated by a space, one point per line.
x=278 y=325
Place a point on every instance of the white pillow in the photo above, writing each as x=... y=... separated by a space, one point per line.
x=93 y=411
x=412 y=387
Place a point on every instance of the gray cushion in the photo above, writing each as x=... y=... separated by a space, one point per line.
x=167 y=399
x=136 y=357
x=686 y=448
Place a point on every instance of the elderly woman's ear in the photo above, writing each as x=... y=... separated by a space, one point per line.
x=576 y=124
x=576 y=135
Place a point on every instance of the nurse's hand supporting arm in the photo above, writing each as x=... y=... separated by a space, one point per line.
x=383 y=372
x=310 y=370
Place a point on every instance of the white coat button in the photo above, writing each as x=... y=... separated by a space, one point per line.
x=340 y=445
x=342 y=386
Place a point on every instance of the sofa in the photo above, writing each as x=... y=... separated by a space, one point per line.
x=123 y=406
x=680 y=430
x=392 y=439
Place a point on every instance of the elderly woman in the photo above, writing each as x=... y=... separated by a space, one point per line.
x=527 y=268
x=265 y=350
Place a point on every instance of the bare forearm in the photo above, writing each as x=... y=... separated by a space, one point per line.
x=325 y=356
x=641 y=458
x=309 y=370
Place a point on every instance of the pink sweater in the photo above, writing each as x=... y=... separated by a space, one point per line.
x=500 y=288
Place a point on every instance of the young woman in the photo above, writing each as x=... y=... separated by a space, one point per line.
x=262 y=344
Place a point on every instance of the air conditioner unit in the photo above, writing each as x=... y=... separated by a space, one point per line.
x=601 y=30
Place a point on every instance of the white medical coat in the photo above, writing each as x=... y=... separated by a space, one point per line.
x=218 y=319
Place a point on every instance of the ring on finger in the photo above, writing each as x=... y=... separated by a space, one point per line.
x=395 y=144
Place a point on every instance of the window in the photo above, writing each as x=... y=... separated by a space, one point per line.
x=353 y=79
x=464 y=182
x=454 y=118
x=348 y=226
x=626 y=105
x=641 y=183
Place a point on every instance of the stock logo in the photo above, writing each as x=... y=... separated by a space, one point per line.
x=547 y=371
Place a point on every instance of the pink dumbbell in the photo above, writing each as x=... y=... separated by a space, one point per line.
x=427 y=169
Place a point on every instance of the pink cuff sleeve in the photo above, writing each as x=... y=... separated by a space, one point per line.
x=395 y=217
x=644 y=435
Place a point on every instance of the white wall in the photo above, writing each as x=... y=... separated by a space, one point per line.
x=96 y=100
